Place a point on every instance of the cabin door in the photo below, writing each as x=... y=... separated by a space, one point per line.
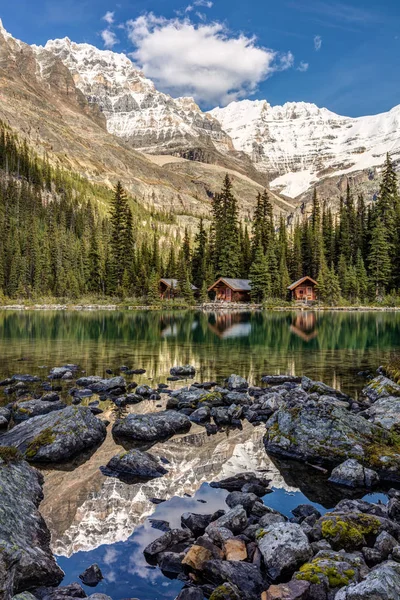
x=228 y=295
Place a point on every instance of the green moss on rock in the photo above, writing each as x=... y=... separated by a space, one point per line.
x=10 y=454
x=317 y=570
x=349 y=532
x=44 y=438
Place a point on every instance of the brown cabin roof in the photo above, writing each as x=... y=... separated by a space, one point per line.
x=237 y=285
x=300 y=281
x=174 y=284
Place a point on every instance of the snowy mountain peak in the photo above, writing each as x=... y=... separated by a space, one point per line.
x=134 y=109
x=299 y=143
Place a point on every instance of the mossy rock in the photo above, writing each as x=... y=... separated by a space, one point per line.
x=349 y=532
x=322 y=570
x=226 y=591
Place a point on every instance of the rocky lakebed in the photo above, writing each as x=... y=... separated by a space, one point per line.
x=246 y=551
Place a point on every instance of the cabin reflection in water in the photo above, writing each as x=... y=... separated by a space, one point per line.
x=230 y=325
x=304 y=325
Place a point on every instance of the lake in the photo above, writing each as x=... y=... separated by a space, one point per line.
x=93 y=518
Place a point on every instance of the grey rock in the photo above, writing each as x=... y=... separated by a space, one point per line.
x=50 y=397
x=144 y=390
x=381 y=387
x=385 y=543
x=99 y=385
x=284 y=547
x=327 y=434
x=33 y=408
x=191 y=593
x=195 y=522
x=270 y=519
x=57 y=436
x=236 y=383
x=201 y=415
x=98 y=596
x=235 y=520
x=245 y=576
x=246 y=500
x=26 y=559
x=396 y=553
x=175 y=540
x=302 y=511
x=352 y=474
x=26 y=378
x=279 y=379
x=237 y=482
x=393 y=509
x=382 y=583
x=151 y=427
x=5 y=416
x=171 y=562
x=134 y=464
x=91 y=576
x=219 y=534
x=73 y=590
x=321 y=389
x=183 y=371
x=385 y=412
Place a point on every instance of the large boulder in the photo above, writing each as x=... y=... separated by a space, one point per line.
x=134 y=464
x=91 y=576
x=351 y=474
x=99 y=385
x=284 y=547
x=331 y=570
x=33 y=408
x=321 y=432
x=26 y=559
x=382 y=583
x=57 y=436
x=151 y=427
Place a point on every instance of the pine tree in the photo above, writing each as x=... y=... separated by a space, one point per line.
x=199 y=258
x=225 y=212
x=379 y=259
x=259 y=275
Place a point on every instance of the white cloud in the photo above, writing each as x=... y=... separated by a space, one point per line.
x=303 y=66
x=201 y=60
x=189 y=8
x=205 y=3
x=109 y=38
x=317 y=42
x=109 y=17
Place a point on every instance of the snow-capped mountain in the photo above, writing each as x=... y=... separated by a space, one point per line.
x=135 y=110
x=299 y=144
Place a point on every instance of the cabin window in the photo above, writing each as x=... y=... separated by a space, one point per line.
x=309 y=291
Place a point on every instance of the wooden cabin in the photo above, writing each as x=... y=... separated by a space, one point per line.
x=304 y=290
x=169 y=288
x=231 y=290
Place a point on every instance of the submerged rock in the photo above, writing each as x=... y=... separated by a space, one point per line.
x=26 y=559
x=151 y=427
x=351 y=474
x=57 y=436
x=279 y=379
x=134 y=464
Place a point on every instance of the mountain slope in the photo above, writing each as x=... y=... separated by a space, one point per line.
x=40 y=101
x=299 y=144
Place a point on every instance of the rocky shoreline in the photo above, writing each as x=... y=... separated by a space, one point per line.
x=209 y=307
x=248 y=551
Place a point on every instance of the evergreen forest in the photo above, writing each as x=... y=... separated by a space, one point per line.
x=64 y=237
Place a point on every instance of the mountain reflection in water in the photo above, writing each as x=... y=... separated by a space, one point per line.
x=93 y=518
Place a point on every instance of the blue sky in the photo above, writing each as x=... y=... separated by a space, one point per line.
x=342 y=55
